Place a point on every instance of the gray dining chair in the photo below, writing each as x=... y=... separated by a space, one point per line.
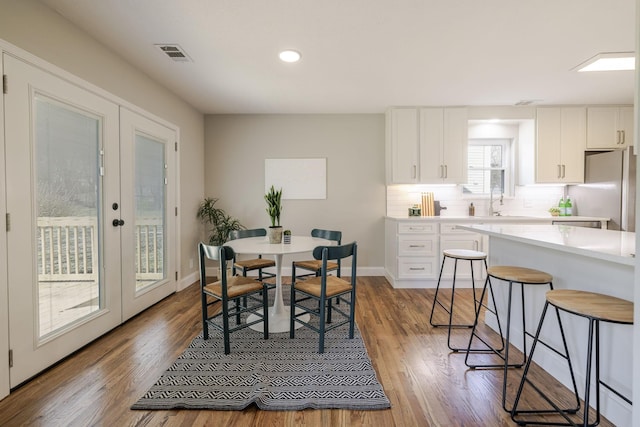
x=229 y=290
x=314 y=296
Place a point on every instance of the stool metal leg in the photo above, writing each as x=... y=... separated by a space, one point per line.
x=563 y=412
x=489 y=348
x=450 y=325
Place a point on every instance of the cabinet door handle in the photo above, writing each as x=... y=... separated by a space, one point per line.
x=559 y=171
x=446 y=172
x=413 y=172
x=416 y=268
x=416 y=228
x=416 y=246
x=623 y=137
x=441 y=172
x=563 y=175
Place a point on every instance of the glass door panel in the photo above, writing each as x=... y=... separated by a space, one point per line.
x=150 y=208
x=68 y=194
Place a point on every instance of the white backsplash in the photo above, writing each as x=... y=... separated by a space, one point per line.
x=528 y=200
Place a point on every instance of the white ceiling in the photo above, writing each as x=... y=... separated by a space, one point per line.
x=362 y=56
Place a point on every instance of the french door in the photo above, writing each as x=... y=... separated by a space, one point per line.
x=79 y=189
x=147 y=153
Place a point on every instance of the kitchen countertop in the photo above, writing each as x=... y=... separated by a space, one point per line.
x=608 y=245
x=504 y=219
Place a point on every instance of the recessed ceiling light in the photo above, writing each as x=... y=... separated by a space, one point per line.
x=289 y=56
x=612 y=61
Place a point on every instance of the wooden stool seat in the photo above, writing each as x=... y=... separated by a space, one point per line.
x=593 y=305
x=527 y=276
x=464 y=254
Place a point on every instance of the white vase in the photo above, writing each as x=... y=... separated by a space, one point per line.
x=275 y=234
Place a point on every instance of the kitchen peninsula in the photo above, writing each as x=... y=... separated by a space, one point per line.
x=414 y=245
x=578 y=258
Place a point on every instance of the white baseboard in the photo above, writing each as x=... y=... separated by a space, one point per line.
x=188 y=280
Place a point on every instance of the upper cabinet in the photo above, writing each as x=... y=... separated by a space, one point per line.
x=443 y=145
x=609 y=127
x=560 y=144
x=426 y=145
x=402 y=139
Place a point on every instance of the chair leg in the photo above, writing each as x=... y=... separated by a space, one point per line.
x=205 y=325
x=322 y=327
x=328 y=302
x=292 y=308
x=265 y=311
x=225 y=326
x=238 y=310
x=352 y=313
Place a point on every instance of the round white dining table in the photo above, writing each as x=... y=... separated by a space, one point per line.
x=278 y=313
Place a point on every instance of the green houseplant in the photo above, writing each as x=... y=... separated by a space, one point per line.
x=274 y=208
x=220 y=222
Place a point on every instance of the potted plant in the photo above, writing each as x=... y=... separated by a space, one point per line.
x=274 y=208
x=287 y=236
x=221 y=224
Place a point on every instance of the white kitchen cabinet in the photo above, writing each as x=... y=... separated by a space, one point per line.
x=443 y=145
x=426 y=145
x=560 y=144
x=454 y=238
x=413 y=253
x=402 y=136
x=609 y=127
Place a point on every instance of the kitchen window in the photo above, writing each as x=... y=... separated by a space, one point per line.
x=488 y=167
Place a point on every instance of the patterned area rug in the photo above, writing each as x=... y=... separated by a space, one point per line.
x=276 y=374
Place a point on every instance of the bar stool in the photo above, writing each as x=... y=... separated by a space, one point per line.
x=457 y=254
x=596 y=308
x=518 y=275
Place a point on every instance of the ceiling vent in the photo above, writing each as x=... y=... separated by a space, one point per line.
x=174 y=51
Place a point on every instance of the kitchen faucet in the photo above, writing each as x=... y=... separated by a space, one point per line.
x=493 y=212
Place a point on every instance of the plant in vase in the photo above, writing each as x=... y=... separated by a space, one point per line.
x=274 y=208
x=287 y=236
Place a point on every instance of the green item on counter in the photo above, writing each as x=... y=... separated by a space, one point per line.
x=568 y=207
x=563 y=207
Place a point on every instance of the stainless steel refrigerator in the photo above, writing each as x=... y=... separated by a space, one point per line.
x=609 y=189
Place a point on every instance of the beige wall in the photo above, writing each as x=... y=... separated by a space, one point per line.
x=40 y=31
x=235 y=149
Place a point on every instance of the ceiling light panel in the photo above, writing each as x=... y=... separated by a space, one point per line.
x=612 y=61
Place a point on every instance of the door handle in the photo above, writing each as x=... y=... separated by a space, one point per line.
x=446 y=172
x=559 y=171
x=117 y=222
x=563 y=175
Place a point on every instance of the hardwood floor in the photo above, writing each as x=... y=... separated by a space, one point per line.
x=426 y=383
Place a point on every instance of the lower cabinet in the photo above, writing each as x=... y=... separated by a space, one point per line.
x=413 y=253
